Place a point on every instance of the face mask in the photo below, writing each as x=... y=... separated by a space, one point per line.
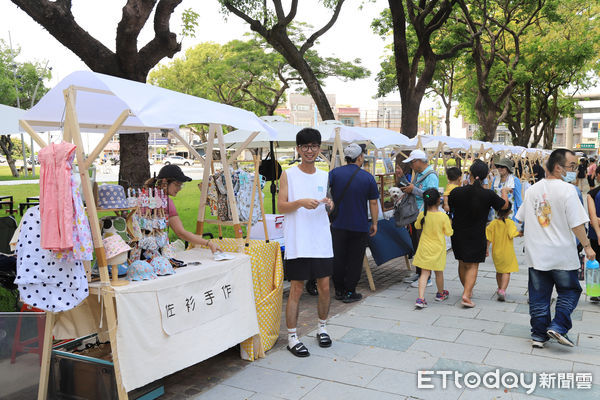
x=569 y=177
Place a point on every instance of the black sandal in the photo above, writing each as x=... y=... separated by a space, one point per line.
x=299 y=350
x=324 y=340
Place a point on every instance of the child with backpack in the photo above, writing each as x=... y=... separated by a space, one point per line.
x=431 y=252
x=500 y=233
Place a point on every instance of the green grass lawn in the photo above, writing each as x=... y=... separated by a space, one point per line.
x=6 y=175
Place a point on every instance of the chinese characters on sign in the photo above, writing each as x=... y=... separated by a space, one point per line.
x=186 y=306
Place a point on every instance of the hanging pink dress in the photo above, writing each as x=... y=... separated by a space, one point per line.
x=56 y=198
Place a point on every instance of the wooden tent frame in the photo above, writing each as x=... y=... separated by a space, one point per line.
x=217 y=130
x=72 y=134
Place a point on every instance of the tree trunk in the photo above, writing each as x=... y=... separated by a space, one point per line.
x=7 y=146
x=134 y=165
x=410 y=116
x=486 y=118
x=448 y=111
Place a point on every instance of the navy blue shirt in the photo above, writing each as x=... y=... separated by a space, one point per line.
x=352 y=210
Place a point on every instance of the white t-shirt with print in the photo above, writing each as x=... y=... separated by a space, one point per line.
x=550 y=210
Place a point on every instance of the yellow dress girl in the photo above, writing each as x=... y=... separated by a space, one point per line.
x=500 y=233
x=431 y=253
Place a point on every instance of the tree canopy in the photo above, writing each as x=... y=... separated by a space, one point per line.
x=18 y=80
x=276 y=27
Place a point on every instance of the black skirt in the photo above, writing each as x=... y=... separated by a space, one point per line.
x=469 y=246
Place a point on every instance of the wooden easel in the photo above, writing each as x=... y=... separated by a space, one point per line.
x=217 y=130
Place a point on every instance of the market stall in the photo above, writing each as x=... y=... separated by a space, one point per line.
x=97 y=102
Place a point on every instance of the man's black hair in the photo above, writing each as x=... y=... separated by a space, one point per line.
x=557 y=157
x=453 y=173
x=308 y=136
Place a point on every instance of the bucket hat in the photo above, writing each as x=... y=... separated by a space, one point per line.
x=112 y=196
x=506 y=163
x=114 y=245
x=162 y=266
x=140 y=271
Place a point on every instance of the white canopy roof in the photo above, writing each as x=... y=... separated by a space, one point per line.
x=102 y=98
x=380 y=137
x=286 y=134
x=9 y=119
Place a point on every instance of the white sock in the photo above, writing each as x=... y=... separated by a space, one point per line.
x=292 y=338
x=322 y=326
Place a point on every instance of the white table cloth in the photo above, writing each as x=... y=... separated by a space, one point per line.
x=150 y=345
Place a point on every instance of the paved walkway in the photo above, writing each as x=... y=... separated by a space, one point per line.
x=381 y=342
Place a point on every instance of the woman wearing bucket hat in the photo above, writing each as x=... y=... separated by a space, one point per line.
x=506 y=179
x=171 y=178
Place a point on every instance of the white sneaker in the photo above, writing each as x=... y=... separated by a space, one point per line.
x=537 y=344
x=411 y=279
x=415 y=284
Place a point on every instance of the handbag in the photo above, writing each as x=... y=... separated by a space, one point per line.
x=267 y=168
x=333 y=214
x=407 y=211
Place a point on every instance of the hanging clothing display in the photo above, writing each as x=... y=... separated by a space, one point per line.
x=83 y=246
x=45 y=281
x=242 y=182
x=56 y=198
x=244 y=197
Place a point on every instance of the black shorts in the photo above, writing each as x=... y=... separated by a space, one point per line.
x=303 y=269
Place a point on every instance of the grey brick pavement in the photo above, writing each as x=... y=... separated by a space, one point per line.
x=382 y=341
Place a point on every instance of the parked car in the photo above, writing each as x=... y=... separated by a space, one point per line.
x=2 y=159
x=177 y=160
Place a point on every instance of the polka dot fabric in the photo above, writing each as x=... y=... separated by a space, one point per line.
x=45 y=281
x=267 y=279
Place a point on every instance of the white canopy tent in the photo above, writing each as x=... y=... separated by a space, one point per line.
x=101 y=99
x=9 y=119
x=286 y=135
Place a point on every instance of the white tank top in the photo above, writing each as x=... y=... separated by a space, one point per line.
x=307 y=233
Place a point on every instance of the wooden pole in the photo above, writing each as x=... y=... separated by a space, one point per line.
x=205 y=177
x=340 y=149
x=38 y=139
x=186 y=144
x=111 y=316
x=46 y=356
x=105 y=139
x=255 y=183
x=243 y=146
x=237 y=228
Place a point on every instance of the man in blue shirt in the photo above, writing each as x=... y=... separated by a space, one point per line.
x=352 y=188
x=425 y=178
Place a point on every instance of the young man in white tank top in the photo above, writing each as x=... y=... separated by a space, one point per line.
x=308 y=247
